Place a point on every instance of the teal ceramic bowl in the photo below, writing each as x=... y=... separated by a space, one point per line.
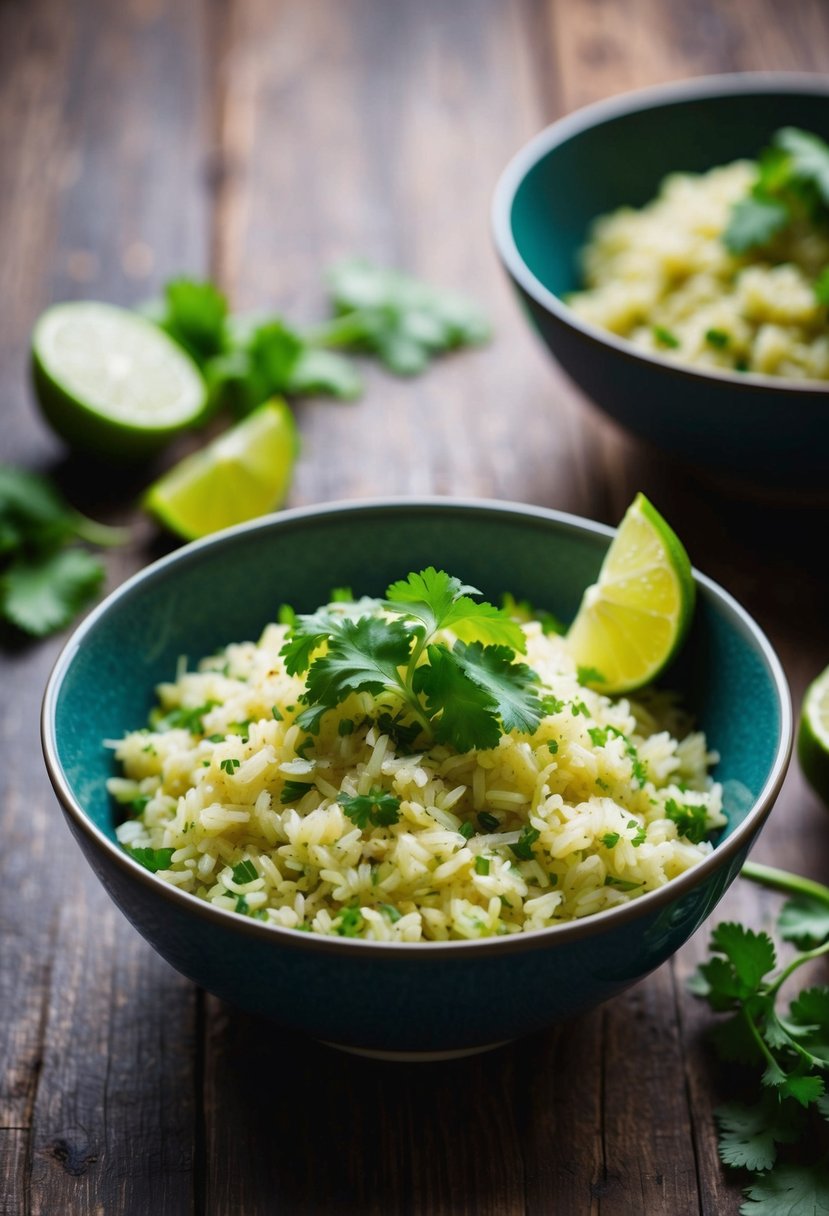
x=761 y=429
x=418 y=999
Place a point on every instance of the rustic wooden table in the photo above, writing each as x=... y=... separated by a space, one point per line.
x=259 y=141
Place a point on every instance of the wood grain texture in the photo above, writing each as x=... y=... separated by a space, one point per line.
x=265 y=139
x=101 y=124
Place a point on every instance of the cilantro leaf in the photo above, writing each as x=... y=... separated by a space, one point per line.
x=463 y=713
x=804 y=921
x=293 y=791
x=403 y=321
x=809 y=158
x=376 y=808
x=511 y=685
x=749 y=1135
x=245 y=871
x=523 y=847
x=465 y=694
x=822 y=287
x=194 y=314
x=187 y=718
x=43 y=594
x=690 y=820
x=363 y=654
x=754 y=221
x=350 y=922
x=440 y=601
x=789 y=1190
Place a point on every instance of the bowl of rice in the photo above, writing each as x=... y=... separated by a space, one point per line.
x=329 y=865
x=708 y=338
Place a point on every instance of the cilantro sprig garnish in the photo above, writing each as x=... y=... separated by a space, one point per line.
x=45 y=577
x=464 y=692
x=788 y=1049
x=792 y=186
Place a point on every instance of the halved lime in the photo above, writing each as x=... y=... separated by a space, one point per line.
x=111 y=382
x=244 y=473
x=632 y=620
x=813 y=736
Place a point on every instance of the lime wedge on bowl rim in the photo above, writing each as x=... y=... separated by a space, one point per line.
x=111 y=382
x=634 y=618
x=244 y=473
x=813 y=736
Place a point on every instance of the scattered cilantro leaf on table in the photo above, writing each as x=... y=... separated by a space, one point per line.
x=461 y=690
x=788 y=1050
x=403 y=321
x=247 y=359
x=45 y=578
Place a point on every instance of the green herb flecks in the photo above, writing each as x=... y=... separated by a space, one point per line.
x=787 y=1049
x=350 y=922
x=293 y=791
x=185 y=718
x=45 y=578
x=463 y=693
x=690 y=820
x=523 y=847
x=665 y=338
x=151 y=859
x=244 y=872
x=792 y=186
x=377 y=808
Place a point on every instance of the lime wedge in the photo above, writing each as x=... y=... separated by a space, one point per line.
x=112 y=383
x=632 y=620
x=244 y=473
x=813 y=736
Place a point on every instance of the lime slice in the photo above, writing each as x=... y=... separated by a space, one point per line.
x=112 y=383
x=633 y=619
x=813 y=736
x=244 y=473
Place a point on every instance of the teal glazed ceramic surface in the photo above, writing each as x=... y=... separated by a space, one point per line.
x=764 y=429
x=389 y=998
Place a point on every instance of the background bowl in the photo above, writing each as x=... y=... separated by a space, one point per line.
x=766 y=430
x=390 y=998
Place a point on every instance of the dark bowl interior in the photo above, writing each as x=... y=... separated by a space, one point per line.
x=617 y=153
x=226 y=590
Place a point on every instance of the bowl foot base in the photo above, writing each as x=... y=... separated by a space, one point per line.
x=416 y=1057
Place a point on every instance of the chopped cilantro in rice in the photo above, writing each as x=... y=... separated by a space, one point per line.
x=352 y=823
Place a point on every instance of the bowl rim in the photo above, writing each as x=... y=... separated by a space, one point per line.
x=300 y=518
x=593 y=115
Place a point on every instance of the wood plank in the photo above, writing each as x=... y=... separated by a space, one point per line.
x=395 y=158
x=102 y=133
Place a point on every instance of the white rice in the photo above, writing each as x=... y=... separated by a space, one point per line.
x=664 y=269
x=599 y=805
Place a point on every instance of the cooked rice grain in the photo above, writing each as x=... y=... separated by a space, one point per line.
x=243 y=791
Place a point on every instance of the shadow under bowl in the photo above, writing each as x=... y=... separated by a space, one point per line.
x=418 y=1000
x=763 y=430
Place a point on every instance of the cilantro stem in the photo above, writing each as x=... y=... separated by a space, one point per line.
x=805 y=956
x=758 y=1038
x=782 y=880
x=99 y=534
x=344 y=330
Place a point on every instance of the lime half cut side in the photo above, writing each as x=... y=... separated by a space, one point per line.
x=813 y=736
x=634 y=618
x=111 y=382
x=244 y=473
